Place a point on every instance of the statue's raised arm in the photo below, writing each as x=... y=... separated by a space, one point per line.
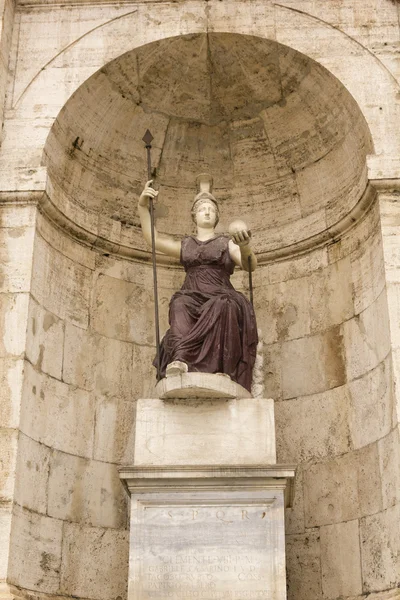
x=212 y=326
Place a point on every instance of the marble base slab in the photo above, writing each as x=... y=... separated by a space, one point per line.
x=198 y=432
x=207 y=534
x=199 y=385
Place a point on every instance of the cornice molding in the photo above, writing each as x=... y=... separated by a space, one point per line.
x=105 y=246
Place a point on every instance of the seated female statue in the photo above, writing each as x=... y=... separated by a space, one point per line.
x=212 y=326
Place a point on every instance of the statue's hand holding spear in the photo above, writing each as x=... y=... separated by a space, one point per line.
x=147 y=193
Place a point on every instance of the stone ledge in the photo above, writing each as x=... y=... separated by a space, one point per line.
x=188 y=478
x=199 y=385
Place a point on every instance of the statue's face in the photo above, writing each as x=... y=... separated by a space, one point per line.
x=206 y=214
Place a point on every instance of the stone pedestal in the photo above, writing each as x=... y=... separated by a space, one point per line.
x=207 y=499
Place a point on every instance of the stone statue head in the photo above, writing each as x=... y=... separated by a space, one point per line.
x=204 y=182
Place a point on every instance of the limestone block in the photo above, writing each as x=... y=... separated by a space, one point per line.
x=60 y=285
x=79 y=356
x=389 y=462
x=283 y=310
x=273 y=371
x=16 y=248
x=95 y=562
x=45 y=340
x=57 y=414
x=18 y=215
x=143 y=372
x=32 y=474
x=295 y=267
x=197 y=432
x=330 y=294
x=370 y=405
x=313 y=364
x=14 y=314
x=35 y=551
x=85 y=491
x=393 y=298
x=340 y=560
x=94 y=362
x=112 y=368
x=67 y=246
x=380 y=550
x=303 y=566
x=367 y=338
x=8 y=459
x=123 y=310
x=342 y=489
x=312 y=427
x=259 y=19
x=11 y=378
x=5 y=534
x=114 y=438
x=294 y=514
x=368 y=272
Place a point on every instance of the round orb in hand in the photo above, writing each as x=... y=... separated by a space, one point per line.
x=236 y=226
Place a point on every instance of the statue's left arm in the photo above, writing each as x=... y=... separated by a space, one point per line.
x=240 y=250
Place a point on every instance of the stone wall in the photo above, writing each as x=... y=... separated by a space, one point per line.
x=89 y=348
x=329 y=366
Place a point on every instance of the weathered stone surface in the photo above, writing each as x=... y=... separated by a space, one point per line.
x=370 y=405
x=389 y=463
x=313 y=427
x=5 y=538
x=343 y=489
x=8 y=453
x=196 y=432
x=85 y=491
x=16 y=248
x=285 y=310
x=294 y=515
x=304 y=566
x=32 y=474
x=368 y=272
x=95 y=562
x=123 y=310
x=11 y=380
x=273 y=371
x=14 y=314
x=35 y=551
x=60 y=285
x=367 y=338
x=45 y=340
x=380 y=550
x=114 y=439
x=340 y=560
x=313 y=364
x=330 y=294
x=56 y=414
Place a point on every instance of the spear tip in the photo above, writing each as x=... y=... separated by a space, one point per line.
x=147 y=138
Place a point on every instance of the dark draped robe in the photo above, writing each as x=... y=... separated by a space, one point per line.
x=212 y=326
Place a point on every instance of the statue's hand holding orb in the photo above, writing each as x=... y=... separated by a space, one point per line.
x=239 y=233
x=147 y=193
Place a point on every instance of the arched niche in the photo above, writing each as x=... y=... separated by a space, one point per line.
x=285 y=142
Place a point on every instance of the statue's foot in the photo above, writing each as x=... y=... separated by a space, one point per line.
x=177 y=367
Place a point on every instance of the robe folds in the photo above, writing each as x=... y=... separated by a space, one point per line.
x=212 y=326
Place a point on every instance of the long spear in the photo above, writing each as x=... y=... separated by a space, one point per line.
x=148 y=138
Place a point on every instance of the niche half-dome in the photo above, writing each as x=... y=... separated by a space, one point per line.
x=284 y=140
